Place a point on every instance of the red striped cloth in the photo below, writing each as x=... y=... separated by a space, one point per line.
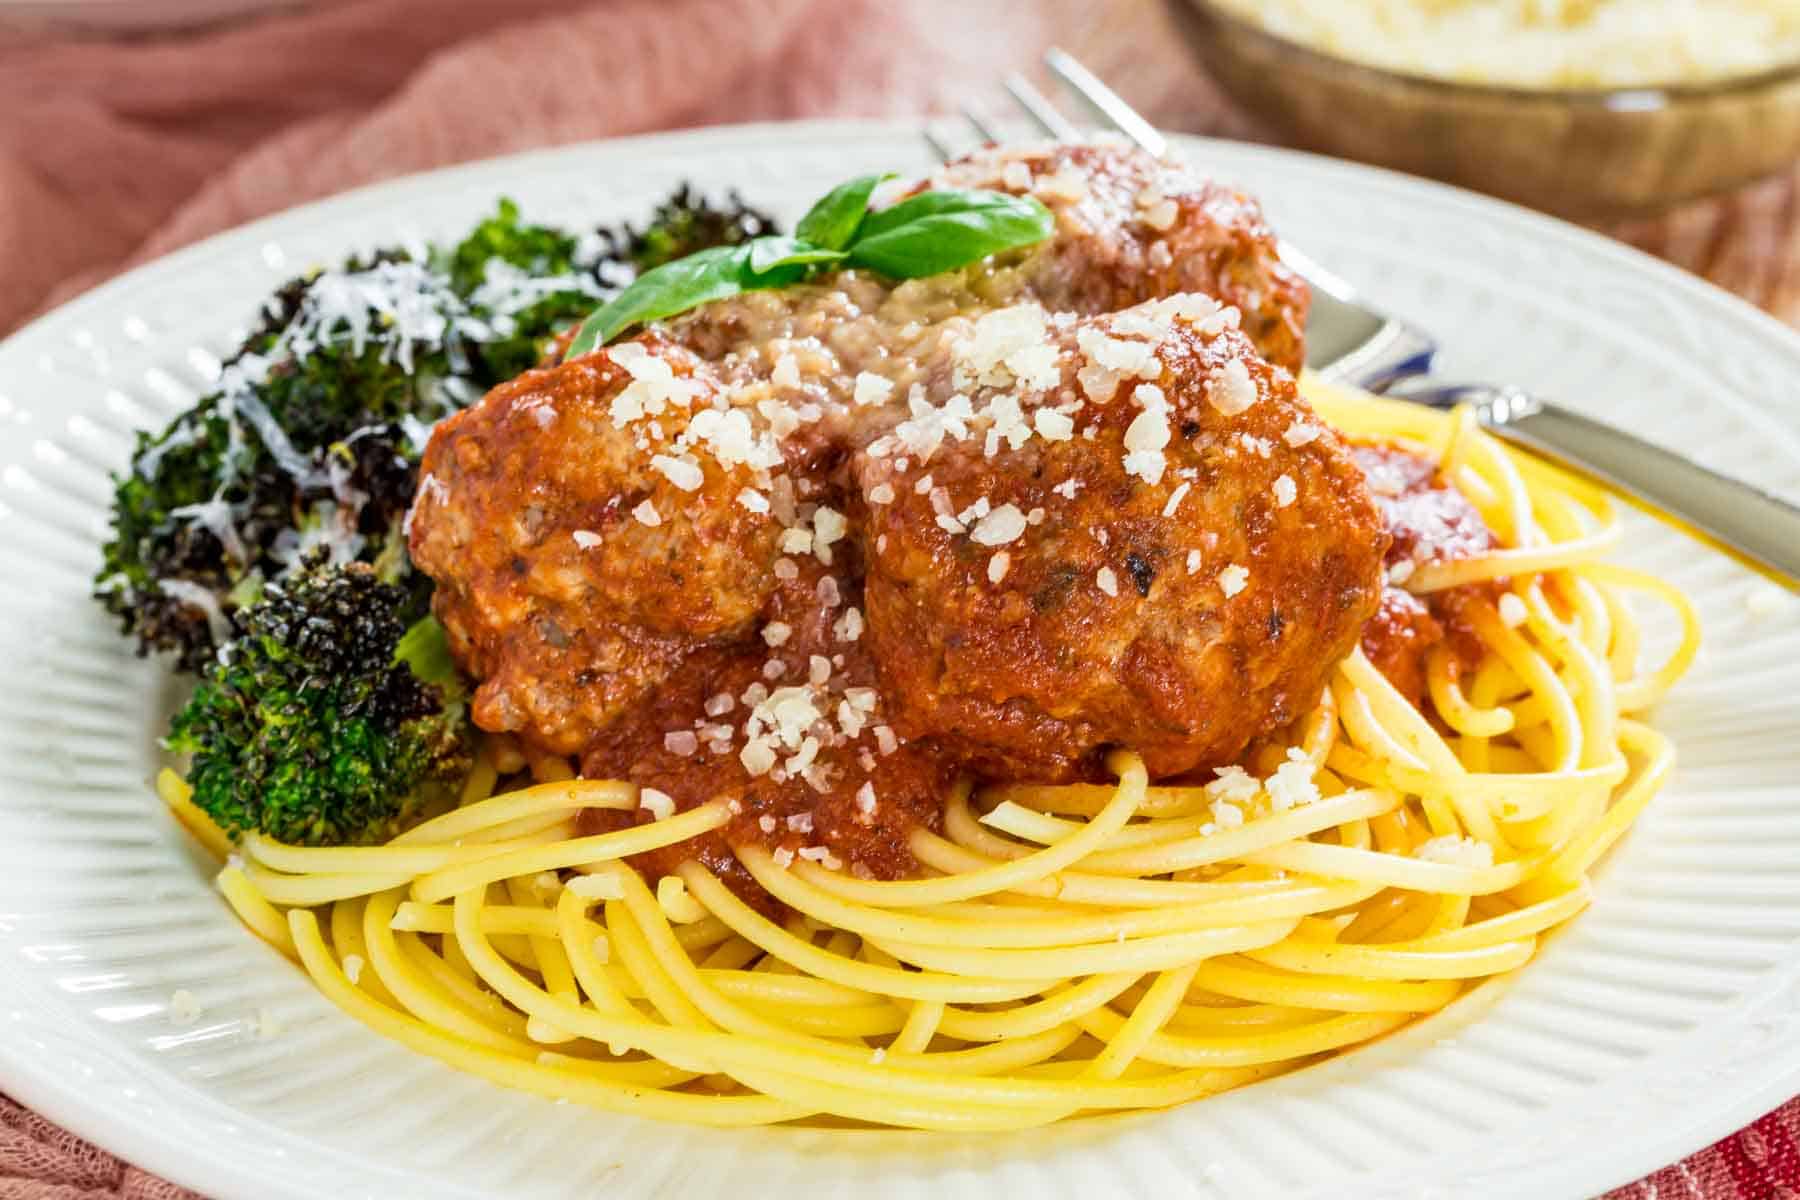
x=111 y=153
x=1758 y=1163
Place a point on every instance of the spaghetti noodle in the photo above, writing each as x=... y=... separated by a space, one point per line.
x=1073 y=949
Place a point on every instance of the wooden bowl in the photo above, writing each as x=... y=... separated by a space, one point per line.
x=1584 y=154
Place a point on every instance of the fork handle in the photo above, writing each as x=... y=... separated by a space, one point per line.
x=1758 y=525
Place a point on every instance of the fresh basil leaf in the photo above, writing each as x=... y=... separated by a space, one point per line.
x=940 y=201
x=940 y=231
x=767 y=253
x=928 y=234
x=674 y=287
x=832 y=222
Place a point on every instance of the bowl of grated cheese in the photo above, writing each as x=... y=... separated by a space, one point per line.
x=1586 y=108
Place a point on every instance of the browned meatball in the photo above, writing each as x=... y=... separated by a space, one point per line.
x=1140 y=536
x=1131 y=227
x=581 y=545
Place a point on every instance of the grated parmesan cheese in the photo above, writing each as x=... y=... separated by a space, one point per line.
x=1053 y=426
x=998 y=527
x=829 y=525
x=1226 y=815
x=1067 y=185
x=786 y=373
x=870 y=389
x=1299 y=433
x=757 y=756
x=684 y=472
x=1542 y=44
x=1233 y=783
x=1005 y=345
x=1230 y=388
x=1148 y=434
x=1292 y=783
x=1161 y=215
x=1513 y=612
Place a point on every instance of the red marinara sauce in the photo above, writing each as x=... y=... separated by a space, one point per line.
x=1429 y=521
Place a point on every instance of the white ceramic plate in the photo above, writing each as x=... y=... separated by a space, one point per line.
x=1667 y=1017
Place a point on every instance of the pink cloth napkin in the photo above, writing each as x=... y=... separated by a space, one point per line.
x=114 y=152
x=40 y=1161
x=111 y=153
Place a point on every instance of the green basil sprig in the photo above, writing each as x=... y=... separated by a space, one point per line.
x=934 y=232
x=929 y=234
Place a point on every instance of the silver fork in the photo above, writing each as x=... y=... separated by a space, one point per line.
x=1350 y=341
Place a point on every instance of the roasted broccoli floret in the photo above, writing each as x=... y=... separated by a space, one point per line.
x=529 y=282
x=312 y=442
x=687 y=222
x=314 y=436
x=335 y=717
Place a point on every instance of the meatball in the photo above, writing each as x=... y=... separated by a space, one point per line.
x=586 y=536
x=1135 y=533
x=1131 y=227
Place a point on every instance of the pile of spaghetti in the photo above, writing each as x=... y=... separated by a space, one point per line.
x=1072 y=949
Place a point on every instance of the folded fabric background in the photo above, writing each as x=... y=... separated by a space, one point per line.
x=114 y=152
x=111 y=153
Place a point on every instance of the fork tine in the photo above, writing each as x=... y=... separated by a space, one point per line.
x=1044 y=114
x=1104 y=101
x=983 y=129
x=937 y=145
